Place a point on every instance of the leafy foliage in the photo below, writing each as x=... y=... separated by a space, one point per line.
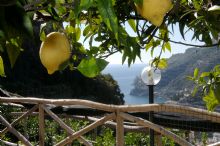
x=136 y=139
x=210 y=84
x=15 y=25
x=160 y=63
x=106 y=138
x=92 y=67
x=108 y=15
x=2 y=72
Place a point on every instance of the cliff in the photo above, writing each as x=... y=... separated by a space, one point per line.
x=174 y=84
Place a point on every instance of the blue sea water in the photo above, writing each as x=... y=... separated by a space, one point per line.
x=125 y=76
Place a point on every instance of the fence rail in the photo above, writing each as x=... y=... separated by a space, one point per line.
x=117 y=113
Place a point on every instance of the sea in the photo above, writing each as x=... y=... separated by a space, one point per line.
x=125 y=77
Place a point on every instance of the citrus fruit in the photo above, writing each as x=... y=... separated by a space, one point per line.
x=54 y=51
x=154 y=10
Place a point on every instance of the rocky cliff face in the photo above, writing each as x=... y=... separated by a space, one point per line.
x=173 y=84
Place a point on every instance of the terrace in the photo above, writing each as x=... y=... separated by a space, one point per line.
x=123 y=118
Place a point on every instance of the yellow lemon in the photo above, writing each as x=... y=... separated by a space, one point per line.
x=154 y=10
x=54 y=51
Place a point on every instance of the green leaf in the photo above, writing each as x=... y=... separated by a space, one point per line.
x=70 y=29
x=181 y=28
x=197 y=4
x=152 y=52
x=42 y=35
x=167 y=46
x=149 y=45
x=77 y=8
x=124 y=57
x=204 y=74
x=92 y=67
x=108 y=15
x=189 y=78
x=53 y=12
x=26 y=21
x=132 y=23
x=13 y=51
x=75 y=31
x=93 y=50
x=61 y=9
x=207 y=38
x=196 y=73
x=163 y=32
x=60 y=1
x=28 y=25
x=86 y=30
x=216 y=89
x=217 y=68
x=2 y=72
x=211 y=101
x=162 y=63
x=195 y=90
x=101 y=63
x=85 y=4
x=78 y=33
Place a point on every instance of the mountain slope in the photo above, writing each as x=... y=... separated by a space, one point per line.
x=173 y=84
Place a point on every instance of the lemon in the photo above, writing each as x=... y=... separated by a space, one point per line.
x=154 y=10
x=54 y=51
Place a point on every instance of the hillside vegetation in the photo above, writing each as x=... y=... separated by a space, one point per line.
x=174 y=84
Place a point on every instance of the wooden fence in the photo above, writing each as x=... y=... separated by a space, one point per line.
x=118 y=114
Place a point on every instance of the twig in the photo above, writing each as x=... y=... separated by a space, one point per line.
x=110 y=53
x=188 y=44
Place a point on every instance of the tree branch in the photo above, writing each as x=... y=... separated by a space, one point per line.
x=110 y=53
x=188 y=44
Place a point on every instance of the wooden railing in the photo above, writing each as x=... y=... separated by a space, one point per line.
x=114 y=113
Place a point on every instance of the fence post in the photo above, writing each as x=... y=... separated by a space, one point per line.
x=119 y=130
x=41 y=125
x=158 y=139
